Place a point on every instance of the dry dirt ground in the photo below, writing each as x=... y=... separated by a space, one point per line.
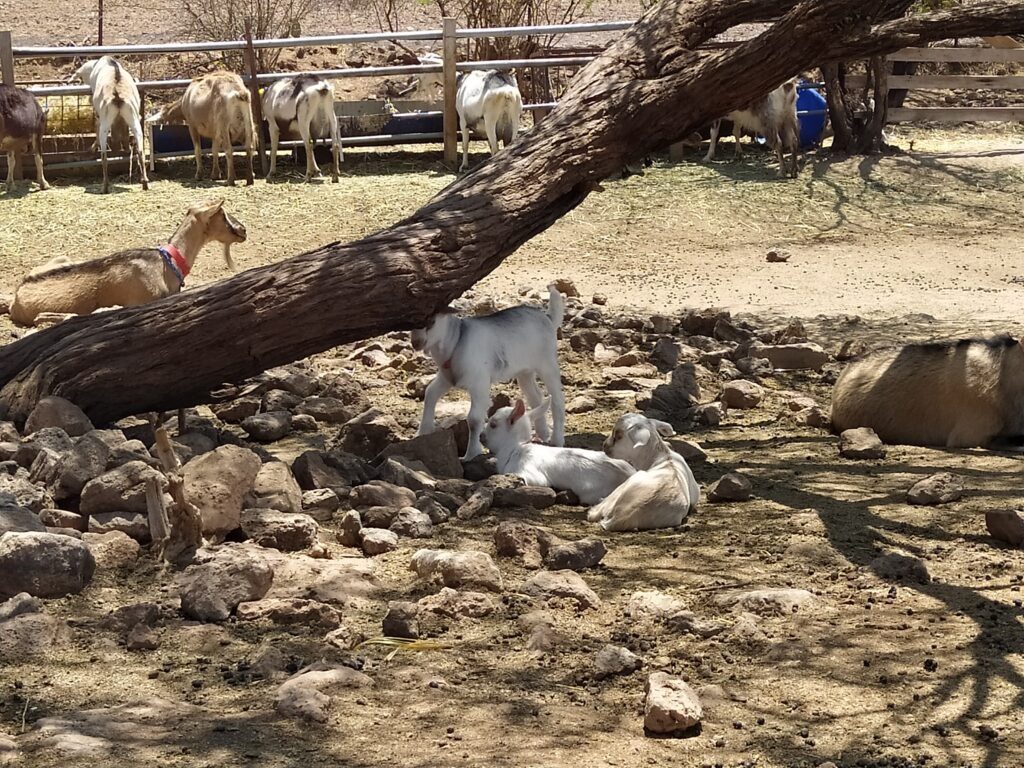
x=872 y=672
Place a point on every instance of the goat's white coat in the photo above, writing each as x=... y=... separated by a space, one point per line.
x=774 y=117
x=487 y=97
x=306 y=104
x=472 y=353
x=591 y=475
x=662 y=491
x=115 y=97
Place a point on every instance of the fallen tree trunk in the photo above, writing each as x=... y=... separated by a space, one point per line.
x=649 y=89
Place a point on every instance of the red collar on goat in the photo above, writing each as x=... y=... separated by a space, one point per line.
x=174 y=260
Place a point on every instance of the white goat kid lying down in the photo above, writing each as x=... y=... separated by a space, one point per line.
x=472 y=353
x=663 y=490
x=491 y=99
x=774 y=117
x=591 y=475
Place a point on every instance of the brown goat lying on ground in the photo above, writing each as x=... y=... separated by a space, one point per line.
x=126 y=278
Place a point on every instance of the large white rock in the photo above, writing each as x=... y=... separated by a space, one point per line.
x=218 y=482
x=671 y=705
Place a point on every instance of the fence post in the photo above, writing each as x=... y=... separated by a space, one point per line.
x=254 y=92
x=7 y=78
x=451 y=119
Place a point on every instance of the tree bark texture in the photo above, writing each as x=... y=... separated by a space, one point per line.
x=649 y=89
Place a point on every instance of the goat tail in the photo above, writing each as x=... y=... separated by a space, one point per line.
x=556 y=306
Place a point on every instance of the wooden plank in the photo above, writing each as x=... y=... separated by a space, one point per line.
x=944 y=82
x=451 y=119
x=985 y=55
x=956 y=114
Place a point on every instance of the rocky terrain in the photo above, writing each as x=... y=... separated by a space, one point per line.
x=361 y=597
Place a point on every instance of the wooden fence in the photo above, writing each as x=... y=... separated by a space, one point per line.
x=952 y=114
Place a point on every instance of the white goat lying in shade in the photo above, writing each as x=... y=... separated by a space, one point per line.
x=491 y=99
x=591 y=475
x=774 y=117
x=663 y=490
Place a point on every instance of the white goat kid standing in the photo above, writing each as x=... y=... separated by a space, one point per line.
x=663 y=490
x=591 y=475
x=472 y=353
x=774 y=117
x=304 y=103
x=489 y=98
x=115 y=98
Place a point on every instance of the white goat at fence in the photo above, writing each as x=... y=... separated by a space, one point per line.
x=491 y=99
x=115 y=98
x=774 y=117
x=304 y=103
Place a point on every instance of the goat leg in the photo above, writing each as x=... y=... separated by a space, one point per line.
x=11 y=159
x=197 y=146
x=715 y=127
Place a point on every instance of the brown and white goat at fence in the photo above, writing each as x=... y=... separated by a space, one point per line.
x=126 y=278
x=774 y=117
x=304 y=103
x=216 y=106
x=22 y=124
x=116 y=102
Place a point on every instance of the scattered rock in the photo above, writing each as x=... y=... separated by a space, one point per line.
x=615 y=660
x=567 y=287
x=851 y=348
x=742 y=394
x=406 y=473
x=772 y=602
x=280 y=530
x=516 y=539
x=378 y=517
x=401 y=620
x=1006 y=526
x=289 y=611
x=411 y=522
x=15 y=519
x=113 y=549
x=940 y=488
x=377 y=541
x=531 y=496
x=212 y=589
x=438 y=452
x=434 y=509
x=731 y=487
x=132 y=524
x=378 y=493
x=861 y=443
x=561 y=584
x=236 y=411
x=777 y=257
x=452 y=603
x=680 y=393
x=120 y=490
x=897 y=567
x=539 y=626
x=600 y=299
x=368 y=434
x=710 y=414
x=57 y=412
x=302 y=695
x=87 y=460
x=53 y=439
x=326 y=410
x=671 y=705
x=268 y=427
x=581 y=404
x=788 y=357
x=575 y=555
x=142 y=638
x=19 y=604
x=815 y=417
x=478 y=504
x=275 y=487
x=320 y=504
x=217 y=483
x=44 y=565
x=652 y=604
x=349 y=527
x=27 y=635
x=457 y=569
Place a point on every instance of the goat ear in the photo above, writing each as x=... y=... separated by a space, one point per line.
x=664 y=428
x=209 y=208
x=517 y=412
x=641 y=436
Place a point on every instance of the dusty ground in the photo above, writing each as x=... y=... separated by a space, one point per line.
x=917 y=245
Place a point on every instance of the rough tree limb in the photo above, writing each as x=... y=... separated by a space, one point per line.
x=650 y=88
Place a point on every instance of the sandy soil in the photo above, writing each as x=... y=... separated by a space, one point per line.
x=873 y=672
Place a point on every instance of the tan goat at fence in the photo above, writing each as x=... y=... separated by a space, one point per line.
x=216 y=106
x=126 y=278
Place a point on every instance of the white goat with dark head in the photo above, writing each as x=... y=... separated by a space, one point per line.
x=303 y=103
x=774 y=117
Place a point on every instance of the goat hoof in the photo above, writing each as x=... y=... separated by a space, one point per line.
x=250 y=181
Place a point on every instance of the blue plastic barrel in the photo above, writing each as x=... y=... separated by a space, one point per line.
x=812 y=112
